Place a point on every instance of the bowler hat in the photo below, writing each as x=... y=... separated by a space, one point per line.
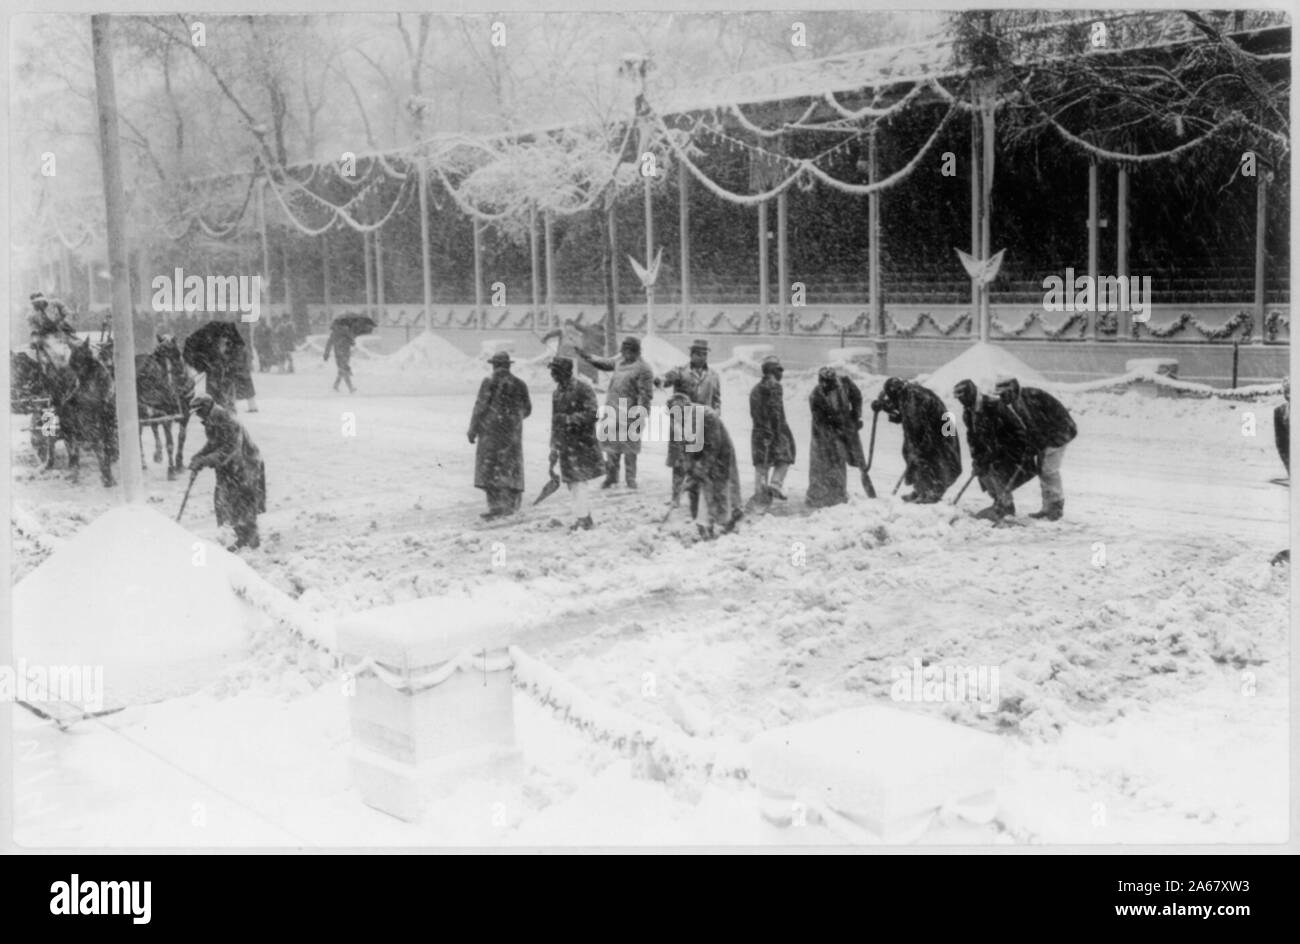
x=500 y=359
x=699 y=344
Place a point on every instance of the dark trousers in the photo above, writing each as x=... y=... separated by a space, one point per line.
x=504 y=501
x=611 y=467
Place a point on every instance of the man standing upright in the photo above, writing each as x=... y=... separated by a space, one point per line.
x=340 y=342
x=632 y=385
x=836 y=404
x=497 y=429
x=573 y=437
x=707 y=457
x=1049 y=429
x=771 y=443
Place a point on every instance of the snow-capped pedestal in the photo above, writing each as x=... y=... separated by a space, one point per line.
x=874 y=774
x=433 y=700
x=873 y=358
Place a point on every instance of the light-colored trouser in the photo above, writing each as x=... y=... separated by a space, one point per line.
x=581 y=500
x=760 y=477
x=1049 y=474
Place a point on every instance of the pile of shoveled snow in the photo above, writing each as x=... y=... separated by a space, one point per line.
x=429 y=350
x=983 y=364
x=661 y=355
x=139 y=596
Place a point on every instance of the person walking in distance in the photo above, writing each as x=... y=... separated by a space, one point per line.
x=632 y=385
x=341 y=342
x=1049 y=429
x=573 y=437
x=497 y=430
x=771 y=443
x=240 y=495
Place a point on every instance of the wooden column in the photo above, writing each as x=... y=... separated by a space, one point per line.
x=762 y=264
x=426 y=263
x=370 y=277
x=1093 y=232
x=128 y=433
x=1121 y=246
x=1261 y=247
x=325 y=276
x=478 y=274
x=986 y=199
x=684 y=242
x=877 y=318
x=649 y=253
x=379 y=275
x=612 y=325
x=536 y=267
x=976 y=250
x=548 y=229
x=782 y=259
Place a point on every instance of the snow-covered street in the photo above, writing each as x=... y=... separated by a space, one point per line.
x=1140 y=643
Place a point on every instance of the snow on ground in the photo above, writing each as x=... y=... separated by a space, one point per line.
x=1140 y=643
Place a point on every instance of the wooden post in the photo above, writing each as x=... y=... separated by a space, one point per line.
x=684 y=242
x=426 y=264
x=782 y=259
x=649 y=249
x=370 y=276
x=478 y=275
x=1261 y=246
x=325 y=276
x=1121 y=246
x=379 y=275
x=536 y=266
x=1093 y=213
x=548 y=230
x=128 y=432
x=762 y=262
x=612 y=325
x=976 y=250
x=877 y=318
x=986 y=199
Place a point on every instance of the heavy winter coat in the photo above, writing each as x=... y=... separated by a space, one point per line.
x=712 y=468
x=836 y=443
x=573 y=431
x=341 y=343
x=240 y=494
x=1000 y=452
x=771 y=442
x=1047 y=422
x=498 y=426
x=933 y=460
x=1282 y=432
x=632 y=383
x=707 y=391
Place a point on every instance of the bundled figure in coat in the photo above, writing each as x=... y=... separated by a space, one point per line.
x=631 y=387
x=574 y=446
x=497 y=429
x=836 y=404
x=703 y=385
x=1282 y=426
x=771 y=443
x=706 y=463
x=930 y=448
x=1049 y=429
x=341 y=342
x=1000 y=454
x=240 y=495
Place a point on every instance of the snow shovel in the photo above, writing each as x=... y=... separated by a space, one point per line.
x=184 y=501
x=871 y=451
x=549 y=489
x=963 y=489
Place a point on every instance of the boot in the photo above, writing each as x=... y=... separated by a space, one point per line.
x=582 y=524
x=777 y=486
x=611 y=472
x=1051 y=511
x=630 y=474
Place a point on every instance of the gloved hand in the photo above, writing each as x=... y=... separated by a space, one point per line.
x=860 y=424
x=472 y=437
x=197 y=463
x=876 y=406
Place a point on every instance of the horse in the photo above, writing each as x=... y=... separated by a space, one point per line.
x=81 y=390
x=163 y=389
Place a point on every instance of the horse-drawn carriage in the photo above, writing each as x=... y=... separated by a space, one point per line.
x=26 y=399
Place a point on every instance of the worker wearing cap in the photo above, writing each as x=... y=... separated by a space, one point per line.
x=631 y=386
x=1049 y=429
x=240 y=495
x=574 y=447
x=497 y=430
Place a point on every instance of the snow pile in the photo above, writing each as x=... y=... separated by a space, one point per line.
x=139 y=596
x=661 y=355
x=427 y=350
x=983 y=364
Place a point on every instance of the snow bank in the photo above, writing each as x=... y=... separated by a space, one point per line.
x=661 y=355
x=427 y=350
x=983 y=364
x=137 y=594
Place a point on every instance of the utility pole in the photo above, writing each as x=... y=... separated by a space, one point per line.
x=128 y=431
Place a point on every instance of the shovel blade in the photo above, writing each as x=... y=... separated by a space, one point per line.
x=866 y=484
x=549 y=489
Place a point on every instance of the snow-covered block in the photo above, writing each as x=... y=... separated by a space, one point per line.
x=871 y=359
x=433 y=692
x=746 y=355
x=875 y=773
x=1160 y=366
